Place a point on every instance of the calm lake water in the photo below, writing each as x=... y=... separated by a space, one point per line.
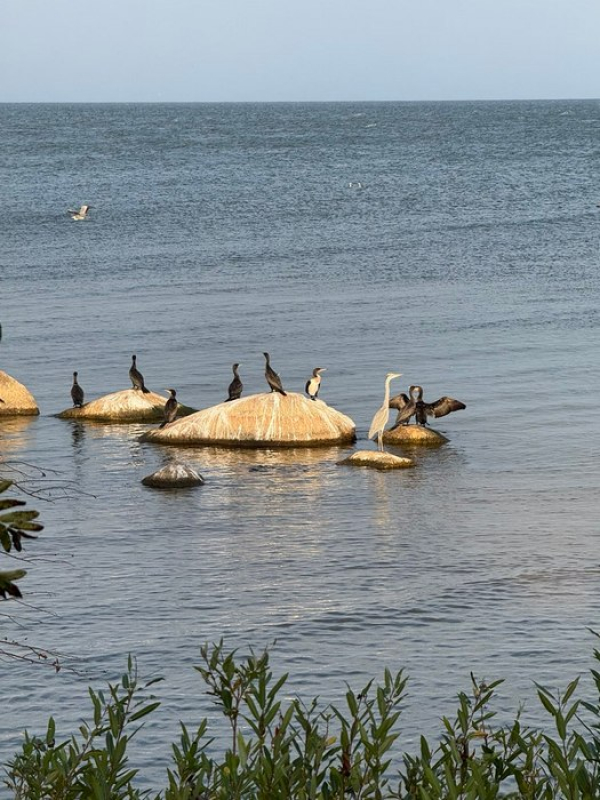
x=456 y=243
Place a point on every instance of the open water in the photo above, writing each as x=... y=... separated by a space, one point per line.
x=457 y=243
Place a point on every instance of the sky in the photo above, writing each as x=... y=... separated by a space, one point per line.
x=297 y=50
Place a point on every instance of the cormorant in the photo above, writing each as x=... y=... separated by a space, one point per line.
x=76 y=392
x=170 y=409
x=381 y=417
x=313 y=384
x=81 y=214
x=415 y=406
x=136 y=377
x=236 y=385
x=272 y=377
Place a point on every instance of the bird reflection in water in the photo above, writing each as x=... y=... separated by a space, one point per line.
x=77 y=435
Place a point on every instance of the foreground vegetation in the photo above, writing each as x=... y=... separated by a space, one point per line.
x=280 y=749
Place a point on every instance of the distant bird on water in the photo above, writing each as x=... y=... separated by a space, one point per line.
x=381 y=417
x=272 y=377
x=313 y=384
x=236 y=386
x=76 y=392
x=414 y=405
x=136 y=377
x=170 y=409
x=81 y=214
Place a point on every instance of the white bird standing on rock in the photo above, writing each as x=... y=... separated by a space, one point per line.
x=381 y=417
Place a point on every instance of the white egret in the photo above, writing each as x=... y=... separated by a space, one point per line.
x=381 y=417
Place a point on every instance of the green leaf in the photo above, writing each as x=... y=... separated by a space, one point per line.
x=143 y=712
x=13 y=575
x=547 y=703
x=11 y=502
x=570 y=689
x=16 y=517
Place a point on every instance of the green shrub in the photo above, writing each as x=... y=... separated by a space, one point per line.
x=302 y=752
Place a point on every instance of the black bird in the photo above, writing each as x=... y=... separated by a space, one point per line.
x=136 y=377
x=170 y=409
x=313 y=384
x=272 y=377
x=236 y=386
x=76 y=392
x=414 y=405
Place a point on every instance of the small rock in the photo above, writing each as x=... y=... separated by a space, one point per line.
x=173 y=476
x=377 y=460
x=414 y=434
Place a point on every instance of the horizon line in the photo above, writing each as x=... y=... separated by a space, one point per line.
x=300 y=102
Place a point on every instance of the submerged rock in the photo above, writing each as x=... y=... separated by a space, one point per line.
x=16 y=399
x=414 y=434
x=260 y=420
x=173 y=476
x=377 y=460
x=129 y=405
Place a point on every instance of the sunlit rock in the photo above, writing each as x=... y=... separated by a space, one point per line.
x=173 y=476
x=414 y=434
x=17 y=400
x=260 y=420
x=377 y=460
x=129 y=405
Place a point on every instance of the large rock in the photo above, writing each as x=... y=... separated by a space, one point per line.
x=17 y=400
x=414 y=435
x=173 y=476
x=377 y=460
x=129 y=405
x=260 y=420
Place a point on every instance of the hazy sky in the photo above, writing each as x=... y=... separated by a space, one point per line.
x=245 y=50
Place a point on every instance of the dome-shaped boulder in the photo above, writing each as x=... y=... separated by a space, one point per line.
x=129 y=405
x=174 y=476
x=414 y=435
x=15 y=399
x=260 y=420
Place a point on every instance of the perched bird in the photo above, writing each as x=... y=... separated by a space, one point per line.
x=381 y=417
x=272 y=377
x=236 y=385
x=81 y=214
x=400 y=401
x=313 y=384
x=76 y=392
x=414 y=405
x=136 y=377
x=170 y=409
